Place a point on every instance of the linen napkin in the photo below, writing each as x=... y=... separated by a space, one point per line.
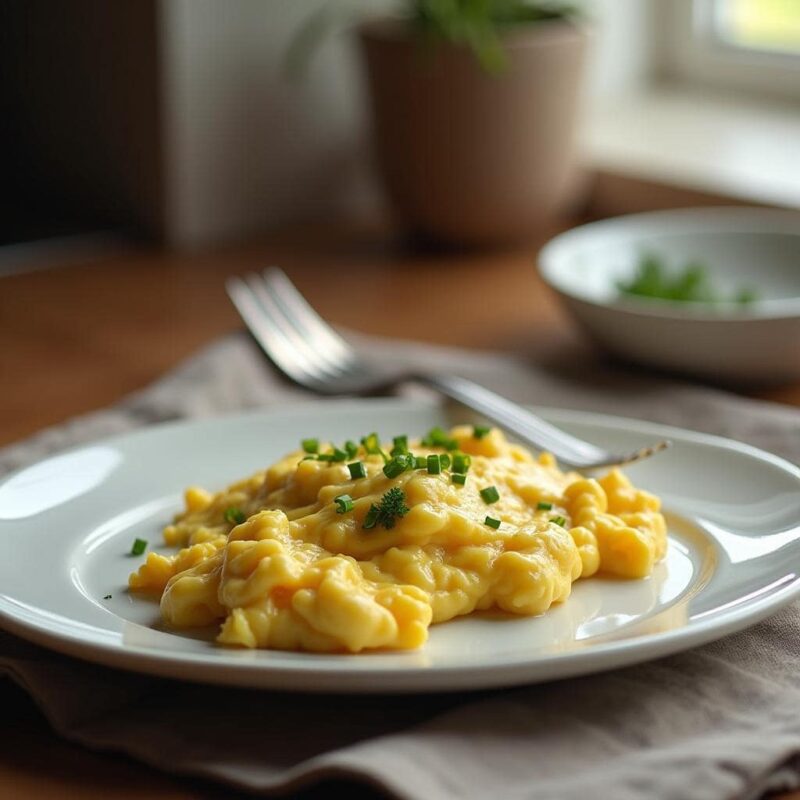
x=720 y=721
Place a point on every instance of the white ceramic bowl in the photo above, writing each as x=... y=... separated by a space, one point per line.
x=740 y=247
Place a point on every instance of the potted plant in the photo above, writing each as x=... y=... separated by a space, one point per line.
x=474 y=107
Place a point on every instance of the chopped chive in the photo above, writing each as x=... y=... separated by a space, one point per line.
x=438 y=438
x=357 y=470
x=420 y=462
x=407 y=460
x=371 y=443
x=559 y=520
x=139 y=546
x=371 y=519
x=384 y=455
x=492 y=522
x=434 y=465
x=234 y=515
x=344 y=503
x=444 y=460
x=479 y=431
x=541 y=506
x=400 y=445
x=490 y=495
x=461 y=463
x=309 y=458
x=310 y=445
x=325 y=456
x=338 y=455
x=458 y=477
x=395 y=467
x=351 y=448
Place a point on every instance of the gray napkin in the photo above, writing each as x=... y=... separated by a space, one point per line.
x=721 y=721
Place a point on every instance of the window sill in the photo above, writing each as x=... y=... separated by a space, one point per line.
x=710 y=146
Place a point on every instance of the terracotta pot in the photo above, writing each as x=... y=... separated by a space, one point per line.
x=469 y=157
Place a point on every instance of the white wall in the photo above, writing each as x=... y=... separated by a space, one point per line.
x=622 y=59
x=247 y=148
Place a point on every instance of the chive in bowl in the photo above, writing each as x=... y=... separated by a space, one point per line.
x=735 y=272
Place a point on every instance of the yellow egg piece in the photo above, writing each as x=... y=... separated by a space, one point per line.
x=278 y=563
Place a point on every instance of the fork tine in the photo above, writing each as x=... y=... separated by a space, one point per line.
x=313 y=356
x=269 y=337
x=306 y=318
x=320 y=338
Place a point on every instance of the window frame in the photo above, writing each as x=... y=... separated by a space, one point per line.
x=691 y=51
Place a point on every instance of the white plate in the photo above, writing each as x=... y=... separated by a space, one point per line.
x=67 y=525
x=739 y=247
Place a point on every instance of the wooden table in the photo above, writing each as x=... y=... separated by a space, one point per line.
x=79 y=337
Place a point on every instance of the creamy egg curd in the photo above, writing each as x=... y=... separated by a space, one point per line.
x=365 y=546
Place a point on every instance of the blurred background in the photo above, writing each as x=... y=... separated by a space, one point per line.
x=176 y=121
x=406 y=176
x=153 y=147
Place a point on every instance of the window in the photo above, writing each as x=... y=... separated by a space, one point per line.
x=745 y=45
x=761 y=25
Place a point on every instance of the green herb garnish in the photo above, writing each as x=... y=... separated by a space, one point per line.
x=458 y=477
x=371 y=443
x=357 y=470
x=351 y=448
x=479 y=431
x=655 y=280
x=139 y=546
x=492 y=522
x=400 y=446
x=439 y=438
x=434 y=465
x=559 y=520
x=395 y=467
x=490 y=495
x=542 y=506
x=344 y=503
x=461 y=463
x=371 y=518
x=339 y=455
x=392 y=506
x=310 y=445
x=234 y=515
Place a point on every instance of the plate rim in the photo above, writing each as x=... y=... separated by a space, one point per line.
x=474 y=676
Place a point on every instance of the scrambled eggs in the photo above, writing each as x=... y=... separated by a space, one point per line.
x=323 y=555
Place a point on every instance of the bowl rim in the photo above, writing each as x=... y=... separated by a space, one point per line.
x=718 y=219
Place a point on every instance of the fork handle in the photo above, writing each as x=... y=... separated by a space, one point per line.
x=524 y=424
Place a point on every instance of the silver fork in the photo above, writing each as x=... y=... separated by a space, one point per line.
x=310 y=353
